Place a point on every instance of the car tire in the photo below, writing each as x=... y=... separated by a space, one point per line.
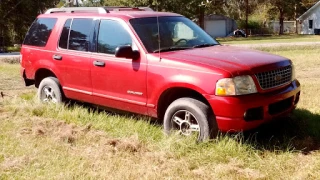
x=188 y=115
x=50 y=91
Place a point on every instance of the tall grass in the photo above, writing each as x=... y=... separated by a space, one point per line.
x=77 y=141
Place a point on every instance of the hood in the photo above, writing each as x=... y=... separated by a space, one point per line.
x=234 y=60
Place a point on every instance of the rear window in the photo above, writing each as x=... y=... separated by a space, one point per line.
x=39 y=32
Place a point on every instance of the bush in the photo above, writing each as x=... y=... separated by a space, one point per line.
x=251 y=24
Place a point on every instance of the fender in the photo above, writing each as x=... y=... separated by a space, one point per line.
x=50 y=65
x=200 y=85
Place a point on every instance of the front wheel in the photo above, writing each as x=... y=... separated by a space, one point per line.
x=50 y=90
x=190 y=117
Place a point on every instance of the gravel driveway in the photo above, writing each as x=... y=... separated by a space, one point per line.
x=276 y=44
x=9 y=55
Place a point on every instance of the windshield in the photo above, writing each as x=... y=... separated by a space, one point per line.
x=173 y=33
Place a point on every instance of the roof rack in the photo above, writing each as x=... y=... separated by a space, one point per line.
x=124 y=8
x=100 y=10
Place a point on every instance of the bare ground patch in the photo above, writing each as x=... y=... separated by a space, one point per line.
x=72 y=134
x=14 y=163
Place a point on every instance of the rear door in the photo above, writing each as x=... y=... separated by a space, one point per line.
x=118 y=82
x=35 y=46
x=74 y=52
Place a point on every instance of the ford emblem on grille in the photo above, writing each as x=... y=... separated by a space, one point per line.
x=278 y=77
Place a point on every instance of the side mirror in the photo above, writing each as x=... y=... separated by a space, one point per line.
x=127 y=52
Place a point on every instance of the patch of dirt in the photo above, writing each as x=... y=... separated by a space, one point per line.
x=131 y=144
x=237 y=168
x=14 y=163
x=70 y=133
x=58 y=130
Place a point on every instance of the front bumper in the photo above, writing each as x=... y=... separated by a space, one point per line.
x=232 y=112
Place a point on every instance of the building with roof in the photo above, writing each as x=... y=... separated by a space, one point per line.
x=310 y=20
x=219 y=25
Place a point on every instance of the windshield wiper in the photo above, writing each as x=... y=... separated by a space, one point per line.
x=166 y=49
x=204 y=45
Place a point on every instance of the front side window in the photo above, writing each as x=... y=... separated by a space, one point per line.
x=40 y=32
x=170 y=33
x=111 y=35
x=80 y=34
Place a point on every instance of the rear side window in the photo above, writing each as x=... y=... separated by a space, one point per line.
x=63 y=42
x=80 y=34
x=39 y=32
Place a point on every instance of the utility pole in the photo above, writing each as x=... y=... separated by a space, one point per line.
x=296 y=17
x=247 y=16
x=70 y=3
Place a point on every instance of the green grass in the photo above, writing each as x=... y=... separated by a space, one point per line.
x=77 y=141
x=13 y=49
x=270 y=39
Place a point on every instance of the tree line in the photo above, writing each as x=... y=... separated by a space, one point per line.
x=17 y=15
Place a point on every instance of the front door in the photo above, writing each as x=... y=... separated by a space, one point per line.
x=117 y=82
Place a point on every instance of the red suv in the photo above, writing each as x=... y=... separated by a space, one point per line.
x=157 y=64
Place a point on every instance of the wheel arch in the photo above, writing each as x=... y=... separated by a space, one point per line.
x=42 y=73
x=174 y=93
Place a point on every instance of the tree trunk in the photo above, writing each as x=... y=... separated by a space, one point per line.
x=201 y=17
x=70 y=3
x=247 y=16
x=281 y=20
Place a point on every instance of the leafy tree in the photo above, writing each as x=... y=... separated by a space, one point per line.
x=283 y=8
x=17 y=16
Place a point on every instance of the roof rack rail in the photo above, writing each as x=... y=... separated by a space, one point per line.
x=124 y=8
x=100 y=10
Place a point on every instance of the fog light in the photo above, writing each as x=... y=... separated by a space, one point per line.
x=254 y=114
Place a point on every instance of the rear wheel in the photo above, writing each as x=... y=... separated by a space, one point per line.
x=50 y=90
x=190 y=117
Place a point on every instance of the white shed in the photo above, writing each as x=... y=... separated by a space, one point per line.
x=288 y=26
x=310 y=20
x=218 y=25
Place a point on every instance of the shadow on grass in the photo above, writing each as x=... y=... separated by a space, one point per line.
x=91 y=108
x=299 y=132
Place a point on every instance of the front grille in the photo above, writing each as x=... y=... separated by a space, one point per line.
x=275 y=78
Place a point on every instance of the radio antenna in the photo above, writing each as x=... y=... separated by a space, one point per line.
x=158 y=25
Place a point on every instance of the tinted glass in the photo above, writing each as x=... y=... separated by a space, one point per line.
x=80 y=34
x=111 y=35
x=63 y=42
x=39 y=32
x=171 y=33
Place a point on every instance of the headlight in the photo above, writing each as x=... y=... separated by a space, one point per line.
x=239 y=85
x=293 y=72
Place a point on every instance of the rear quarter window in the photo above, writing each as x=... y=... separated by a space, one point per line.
x=39 y=32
